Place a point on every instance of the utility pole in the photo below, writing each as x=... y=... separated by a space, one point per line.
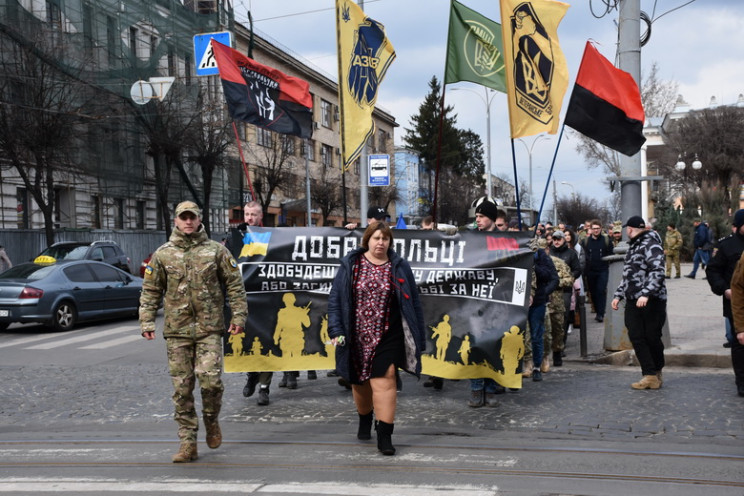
x=629 y=60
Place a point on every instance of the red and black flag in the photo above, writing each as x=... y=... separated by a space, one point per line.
x=606 y=104
x=262 y=95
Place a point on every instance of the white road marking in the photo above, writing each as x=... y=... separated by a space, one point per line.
x=113 y=342
x=11 y=485
x=85 y=337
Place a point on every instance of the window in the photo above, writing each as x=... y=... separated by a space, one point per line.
x=326 y=113
x=140 y=220
x=22 y=208
x=309 y=148
x=111 y=38
x=54 y=15
x=153 y=44
x=96 y=208
x=88 y=30
x=104 y=273
x=263 y=137
x=79 y=273
x=171 y=62
x=133 y=41
x=326 y=155
x=119 y=213
x=288 y=145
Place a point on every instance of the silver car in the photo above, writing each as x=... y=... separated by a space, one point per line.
x=60 y=295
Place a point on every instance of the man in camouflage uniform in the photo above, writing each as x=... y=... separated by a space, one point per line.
x=192 y=275
x=554 y=322
x=672 y=246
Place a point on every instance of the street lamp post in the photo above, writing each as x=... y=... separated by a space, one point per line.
x=573 y=191
x=487 y=102
x=529 y=153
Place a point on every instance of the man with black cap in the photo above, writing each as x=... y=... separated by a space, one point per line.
x=644 y=291
x=378 y=214
x=719 y=273
x=488 y=217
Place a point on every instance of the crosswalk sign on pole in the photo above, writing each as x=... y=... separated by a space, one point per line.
x=204 y=60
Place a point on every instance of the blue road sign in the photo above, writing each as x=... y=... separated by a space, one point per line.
x=204 y=60
x=379 y=170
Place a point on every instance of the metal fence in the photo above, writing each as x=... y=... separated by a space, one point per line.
x=22 y=245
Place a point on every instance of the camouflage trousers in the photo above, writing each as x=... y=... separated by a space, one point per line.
x=188 y=360
x=672 y=258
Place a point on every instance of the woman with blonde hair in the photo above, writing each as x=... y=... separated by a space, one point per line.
x=376 y=322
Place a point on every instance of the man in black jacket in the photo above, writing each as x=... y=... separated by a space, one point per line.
x=719 y=273
x=644 y=291
x=596 y=246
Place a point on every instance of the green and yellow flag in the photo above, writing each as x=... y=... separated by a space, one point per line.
x=474 y=49
x=364 y=55
x=536 y=70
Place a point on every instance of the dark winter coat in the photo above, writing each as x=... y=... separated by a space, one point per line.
x=721 y=267
x=546 y=277
x=341 y=313
x=569 y=256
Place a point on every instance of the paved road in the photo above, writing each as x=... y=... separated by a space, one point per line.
x=90 y=411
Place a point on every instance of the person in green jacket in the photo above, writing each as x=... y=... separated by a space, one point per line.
x=672 y=246
x=193 y=276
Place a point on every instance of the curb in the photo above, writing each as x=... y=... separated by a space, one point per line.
x=626 y=358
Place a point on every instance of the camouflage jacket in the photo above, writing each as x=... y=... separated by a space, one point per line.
x=644 y=269
x=191 y=274
x=672 y=241
x=565 y=282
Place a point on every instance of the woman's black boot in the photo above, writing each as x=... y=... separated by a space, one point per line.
x=365 y=426
x=384 y=441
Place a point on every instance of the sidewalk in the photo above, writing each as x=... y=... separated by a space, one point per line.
x=696 y=328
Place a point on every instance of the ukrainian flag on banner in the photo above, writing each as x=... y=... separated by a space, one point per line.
x=364 y=55
x=255 y=244
x=536 y=70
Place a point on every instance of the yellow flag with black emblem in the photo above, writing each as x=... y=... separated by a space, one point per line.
x=536 y=70
x=364 y=55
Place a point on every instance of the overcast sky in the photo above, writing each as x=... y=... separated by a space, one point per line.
x=698 y=44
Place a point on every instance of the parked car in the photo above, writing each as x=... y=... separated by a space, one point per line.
x=64 y=293
x=103 y=251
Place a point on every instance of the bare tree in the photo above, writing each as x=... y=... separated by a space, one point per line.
x=576 y=209
x=716 y=137
x=277 y=159
x=207 y=148
x=325 y=192
x=41 y=104
x=169 y=129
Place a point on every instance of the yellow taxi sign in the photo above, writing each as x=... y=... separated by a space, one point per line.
x=45 y=260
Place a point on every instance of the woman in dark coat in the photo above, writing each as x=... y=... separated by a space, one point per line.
x=376 y=322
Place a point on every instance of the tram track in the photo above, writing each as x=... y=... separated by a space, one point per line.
x=369 y=465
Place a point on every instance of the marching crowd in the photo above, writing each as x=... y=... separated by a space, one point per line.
x=375 y=318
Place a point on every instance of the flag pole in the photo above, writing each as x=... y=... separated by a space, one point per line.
x=516 y=185
x=550 y=173
x=242 y=161
x=341 y=120
x=363 y=170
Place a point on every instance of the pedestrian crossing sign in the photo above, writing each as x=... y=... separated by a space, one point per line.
x=204 y=60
